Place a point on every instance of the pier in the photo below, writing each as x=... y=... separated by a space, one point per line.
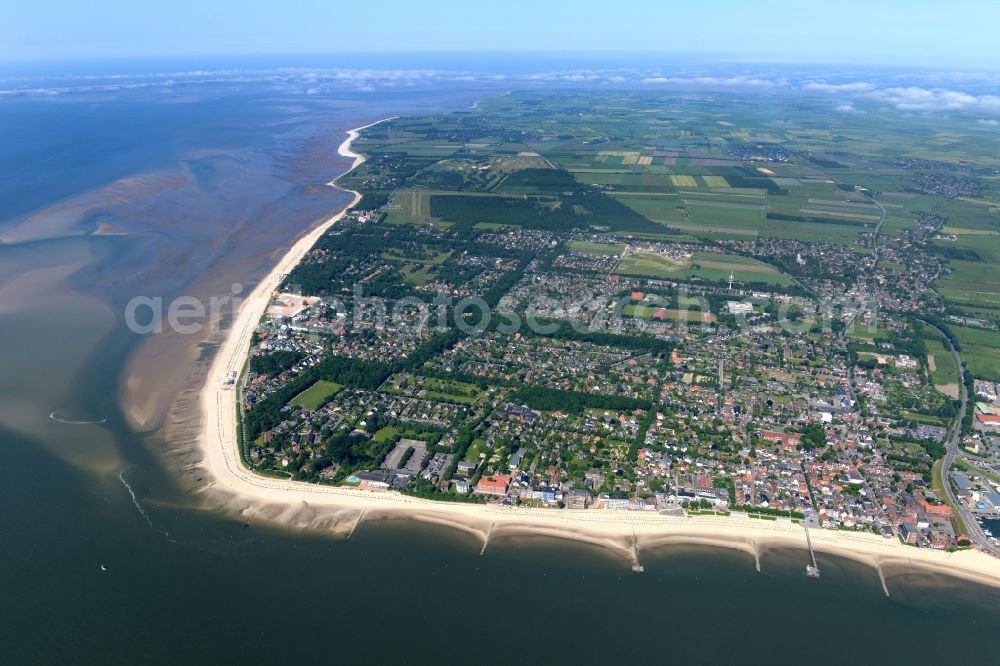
x=881 y=577
x=812 y=570
x=636 y=563
x=361 y=516
x=486 y=539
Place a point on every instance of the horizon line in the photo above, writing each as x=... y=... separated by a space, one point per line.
x=703 y=57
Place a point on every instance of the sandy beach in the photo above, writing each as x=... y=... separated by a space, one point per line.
x=230 y=486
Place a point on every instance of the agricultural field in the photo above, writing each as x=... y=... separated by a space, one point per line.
x=665 y=208
x=940 y=363
x=980 y=349
x=667 y=167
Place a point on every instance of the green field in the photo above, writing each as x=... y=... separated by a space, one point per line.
x=315 y=395
x=407 y=207
x=945 y=370
x=972 y=279
x=604 y=249
x=432 y=388
x=710 y=266
x=477 y=447
x=651 y=265
x=662 y=208
x=980 y=351
x=925 y=419
x=451 y=391
x=492 y=226
x=385 y=434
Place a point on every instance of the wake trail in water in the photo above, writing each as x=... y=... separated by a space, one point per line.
x=135 y=501
x=149 y=521
x=72 y=422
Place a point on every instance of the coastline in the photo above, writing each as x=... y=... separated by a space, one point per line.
x=232 y=487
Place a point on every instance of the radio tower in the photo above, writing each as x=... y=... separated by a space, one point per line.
x=732 y=277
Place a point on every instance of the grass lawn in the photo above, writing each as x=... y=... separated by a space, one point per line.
x=478 y=446
x=926 y=419
x=397 y=255
x=385 y=434
x=314 y=396
x=418 y=276
x=451 y=391
x=651 y=265
x=937 y=484
x=937 y=480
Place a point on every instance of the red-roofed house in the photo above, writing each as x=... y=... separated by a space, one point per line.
x=493 y=485
x=988 y=420
x=785 y=439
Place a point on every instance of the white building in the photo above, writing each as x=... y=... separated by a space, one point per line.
x=735 y=307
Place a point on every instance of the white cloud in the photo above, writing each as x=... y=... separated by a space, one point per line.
x=714 y=81
x=991 y=121
x=914 y=98
x=857 y=86
x=908 y=98
x=952 y=91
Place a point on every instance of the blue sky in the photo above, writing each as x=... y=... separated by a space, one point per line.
x=914 y=32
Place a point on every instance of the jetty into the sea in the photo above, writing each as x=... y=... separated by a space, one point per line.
x=812 y=570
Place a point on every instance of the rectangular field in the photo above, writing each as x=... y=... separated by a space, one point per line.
x=314 y=396
x=711 y=266
x=944 y=369
x=603 y=249
x=715 y=181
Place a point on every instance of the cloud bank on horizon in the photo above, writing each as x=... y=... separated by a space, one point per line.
x=848 y=90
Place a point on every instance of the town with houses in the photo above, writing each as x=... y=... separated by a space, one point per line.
x=593 y=365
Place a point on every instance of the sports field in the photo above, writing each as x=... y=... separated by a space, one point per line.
x=314 y=396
